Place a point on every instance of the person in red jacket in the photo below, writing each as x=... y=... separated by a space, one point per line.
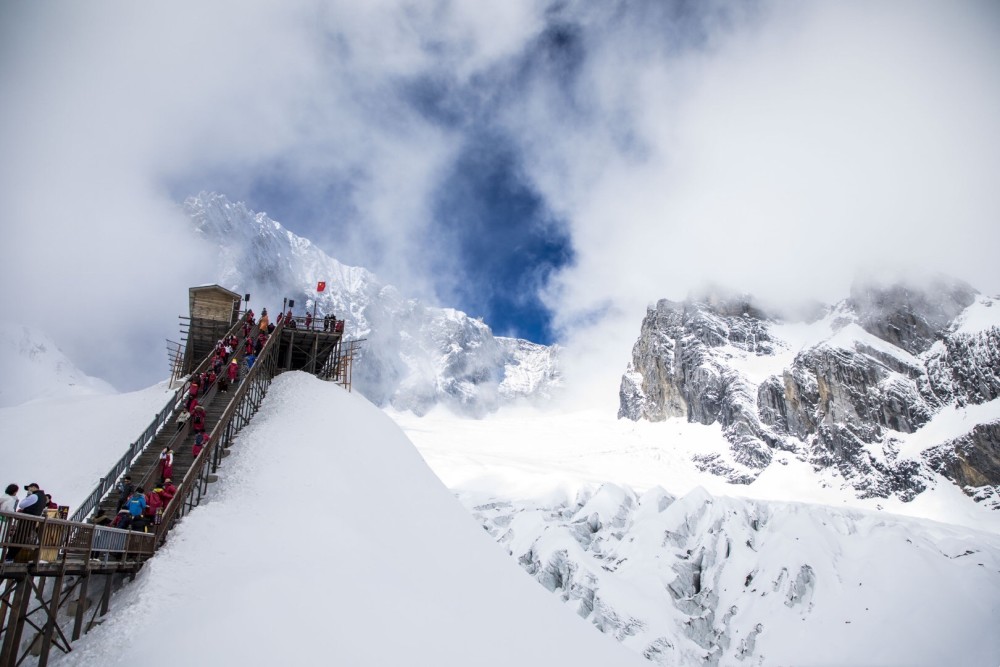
x=309 y=320
x=154 y=503
x=198 y=419
x=233 y=371
x=168 y=492
x=199 y=444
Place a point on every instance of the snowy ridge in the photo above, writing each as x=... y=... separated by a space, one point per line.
x=416 y=357
x=35 y=368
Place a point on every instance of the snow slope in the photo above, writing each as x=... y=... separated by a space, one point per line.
x=387 y=567
x=66 y=444
x=535 y=455
x=615 y=518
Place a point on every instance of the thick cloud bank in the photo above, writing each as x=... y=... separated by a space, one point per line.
x=631 y=152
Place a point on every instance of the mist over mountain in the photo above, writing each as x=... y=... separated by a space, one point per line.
x=415 y=356
x=36 y=368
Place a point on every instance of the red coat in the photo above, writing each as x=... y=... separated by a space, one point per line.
x=234 y=370
x=198 y=420
x=153 y=503
x=199 y=444
x=168 y=492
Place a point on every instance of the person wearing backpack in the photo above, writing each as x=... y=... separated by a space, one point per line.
x=154 y=504
x=198 y=420
x=136 y=506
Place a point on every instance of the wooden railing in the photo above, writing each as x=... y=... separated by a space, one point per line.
x=40 y=540
x=136 y=449
x=72 y=538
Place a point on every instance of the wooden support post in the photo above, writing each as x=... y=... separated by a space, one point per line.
x=81 y=606
x=6 y=601
x=50 y=623
x=315 y=352
x=15 y=627
x=106 y=596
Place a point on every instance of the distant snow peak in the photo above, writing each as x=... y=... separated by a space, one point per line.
x=415 y=356
x=34 y=367
x=842 y=392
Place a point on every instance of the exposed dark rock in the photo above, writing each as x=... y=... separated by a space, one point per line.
x=911 y=318
x=838 y=403
x=972 y=460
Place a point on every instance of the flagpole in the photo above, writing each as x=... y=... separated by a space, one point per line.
x=320 y=286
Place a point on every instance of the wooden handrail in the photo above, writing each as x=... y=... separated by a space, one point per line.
x=138 y=447
x=57 y=540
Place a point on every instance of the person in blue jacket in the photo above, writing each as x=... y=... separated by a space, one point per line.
x=136 y=506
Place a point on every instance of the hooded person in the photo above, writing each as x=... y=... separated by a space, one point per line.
x=199 y=444
x=198 y=419
x=233 y=371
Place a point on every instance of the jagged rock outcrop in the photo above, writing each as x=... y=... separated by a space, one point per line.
x=676 y=371
x=909 y=317
x=972 y=460
x=889 y=359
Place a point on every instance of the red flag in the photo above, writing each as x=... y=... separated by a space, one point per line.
x=320 y=286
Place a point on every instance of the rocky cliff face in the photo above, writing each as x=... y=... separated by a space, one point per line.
x=415 y=356
x=849 y=395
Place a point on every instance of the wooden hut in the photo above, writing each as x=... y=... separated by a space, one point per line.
x=213 y=311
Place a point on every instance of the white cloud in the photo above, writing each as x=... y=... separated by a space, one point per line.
x=774 y=151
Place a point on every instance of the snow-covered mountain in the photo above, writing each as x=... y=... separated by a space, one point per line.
x=416 y=356
x=35 y=368
x=880 y=388
x=687 y=568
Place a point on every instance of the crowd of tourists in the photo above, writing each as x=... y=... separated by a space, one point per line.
x=137 y=508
